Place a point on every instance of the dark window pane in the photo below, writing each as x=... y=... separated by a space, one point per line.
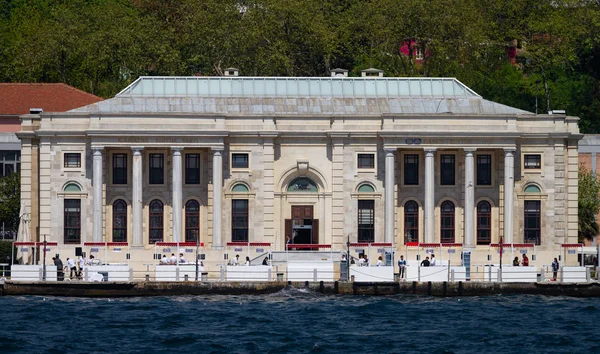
x=119 y=221
x=532 y=222
x=366 y=161
x=411 y=169
x=239 y=160
x=119 y=168
x=411 y=222
x=484 y=170
x=484 y=223
x=156 y=221
x=533 y=161
x=157 y=164
x=447 y=164
x=72 y=223
x=192 y=221
x=192 y=168
x=366 y=221
x=72 y=160
x=239 y=220
x=447 y=222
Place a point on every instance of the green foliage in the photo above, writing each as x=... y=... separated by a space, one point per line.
x=6 y=252
x=100 y=46
x=588 y=204
x=10 y=201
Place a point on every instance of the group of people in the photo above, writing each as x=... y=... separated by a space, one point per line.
x=236 y=260
x=428 y=262
x=74 y=267
x=524 y=262
x=173 y=260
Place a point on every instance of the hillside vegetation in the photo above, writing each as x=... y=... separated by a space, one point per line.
x=100 y=46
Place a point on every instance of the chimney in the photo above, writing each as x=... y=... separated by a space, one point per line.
x=339 y=72
x=371 y=72
x=231 y=72
x=35 y=110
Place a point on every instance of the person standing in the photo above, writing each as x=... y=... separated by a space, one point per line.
x=81 y=265
x=401 y=267
x=432 y=261
x=555 y=267
x=247 y=261
x=72 y=266
x=525 y=262
x=236 y=260
x=60 y=274
x=380 y=261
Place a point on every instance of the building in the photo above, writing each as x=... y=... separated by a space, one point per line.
x=23 y=98
x=317 y=160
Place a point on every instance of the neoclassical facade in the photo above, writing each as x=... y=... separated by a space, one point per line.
x=315 y=160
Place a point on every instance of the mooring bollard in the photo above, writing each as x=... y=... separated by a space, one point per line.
x=185 y=277
x=204 y=276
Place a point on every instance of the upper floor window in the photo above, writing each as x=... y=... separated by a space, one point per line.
x=119 y=168
x=366 y=161
x=447 y=222
x=192 y=168
x=239 y=160
x=484 y=170
x=72 y=159
x=532 y=161
x=411 y=169
x=157 y=167
x=10 y=162
x=302 y=184
x=447 y=170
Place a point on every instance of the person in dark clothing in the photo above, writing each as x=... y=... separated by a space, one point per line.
x=60 y=275
x=425 y=262
x=555 y=267
x=265 y=261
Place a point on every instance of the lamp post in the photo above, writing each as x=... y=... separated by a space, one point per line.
x=44 y=266
x=197 y=245
x=348 y=259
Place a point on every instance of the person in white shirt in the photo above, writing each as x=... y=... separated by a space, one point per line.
x=173 y=259
x=432 y=261
x=81 y=265
x=236 y=260
x=379 y=262
x=164 y=259
x=247 y=261
x=361 y=261
x=72 y=266
x=181 y=259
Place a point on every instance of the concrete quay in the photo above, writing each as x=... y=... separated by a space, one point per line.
x=441 y=289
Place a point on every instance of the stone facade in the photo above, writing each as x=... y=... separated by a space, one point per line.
x=304 y=135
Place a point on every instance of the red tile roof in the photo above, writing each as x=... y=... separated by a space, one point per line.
x=18 y=98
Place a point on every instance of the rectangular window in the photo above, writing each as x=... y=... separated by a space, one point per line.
x=72 y=160
x=192 y=168
x=532 y=162
x=447 y=167
x=532 y=222
x=119 y=168
x=157 y=168
x=484 y=170
x=239 y=160
x=72 y=225
x=239 y=220
x=366 y=221
x=411 y=170
x=366 y=161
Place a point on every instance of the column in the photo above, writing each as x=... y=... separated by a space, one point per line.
x=509 y=187
x=217 y=186
x=469 y=239
x=97 y=199
x=429 y=195
x=389 y=195
x=136 y=202
x=177 y=194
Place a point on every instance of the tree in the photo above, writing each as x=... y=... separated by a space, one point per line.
x=10 y=201
x=588 y=204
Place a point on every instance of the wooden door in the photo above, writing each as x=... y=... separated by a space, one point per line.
x=288 y=230
x=315 y=232
x=302 y=211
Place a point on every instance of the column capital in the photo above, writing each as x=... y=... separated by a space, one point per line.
x=97 y=148
x=509 y=150
x=389 y=150
x=469 y=150
x=176 y=149
x=429 y=150
x=137 y=149
x=216 y=149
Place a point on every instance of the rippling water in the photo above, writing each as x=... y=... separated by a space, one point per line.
x=295 y=321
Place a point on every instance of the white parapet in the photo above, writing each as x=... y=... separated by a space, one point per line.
x=250 y=273
x=372 y=274
x=310 y=271
x=511 y=274
x=574 y=274
x=33 y=272
x=110 y=272
x=166 y=272
x=436 y=273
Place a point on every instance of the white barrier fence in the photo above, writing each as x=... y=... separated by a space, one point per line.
x=372 y=274
x=310 y=271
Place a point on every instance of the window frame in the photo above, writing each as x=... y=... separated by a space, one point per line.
x=153 y=216
x=115 y=169
x=484 y=227
x=72 y=221
x=240 y=153
x=187 y=178
x=537 y=166
x=366 y=231
x=189 y=216
x=447 y=234
x=408 y=230
x=536 y=217
x=116 y=215
x=443 y=175
x=406 y=171
x=366 y=155
x=240 y=228
x=479 y=166
x=66 y=163
x=153 y=170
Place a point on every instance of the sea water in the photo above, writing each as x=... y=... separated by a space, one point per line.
x=299 y=321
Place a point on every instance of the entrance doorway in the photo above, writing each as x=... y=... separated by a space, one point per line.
x=302 y=228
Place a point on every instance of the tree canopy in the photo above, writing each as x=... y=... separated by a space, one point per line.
x=100 y=46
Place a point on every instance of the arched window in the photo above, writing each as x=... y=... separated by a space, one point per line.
x=532 y=188
x=240 y=188
x=366 y=188
x=119 y=221
x=72 y=187
x=156 y=221
x=302 y=184
x=192 y=221
x=484 y=223
x=447 y=222
x=411 y=222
